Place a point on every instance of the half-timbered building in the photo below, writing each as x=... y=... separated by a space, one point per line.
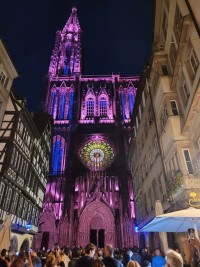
x=25 y=147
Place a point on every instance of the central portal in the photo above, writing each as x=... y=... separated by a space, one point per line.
x=97 y=237
x=96 y=225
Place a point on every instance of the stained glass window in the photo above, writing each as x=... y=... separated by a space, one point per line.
x=97 y=154
x=62 y=106
x=131 y=103
x=58 y=154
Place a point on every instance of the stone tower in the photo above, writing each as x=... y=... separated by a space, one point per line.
x=89 y=197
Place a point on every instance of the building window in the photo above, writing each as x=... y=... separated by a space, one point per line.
x=103 y=107
x=131 y=101
x=194 y=61
x=164 y=70
x=172 y=53
x=58 y=154
x=8 y=199
x=186 y=92
x=90 y=107
x=20 y=205
x=164 y=24
x=24 y=212
x=188 y=161
x=174 y=107
x=2 y=188
x=3 y=78
x=14 y=202
x=178 y=20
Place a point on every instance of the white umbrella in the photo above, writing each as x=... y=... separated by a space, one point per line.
x=177 y=221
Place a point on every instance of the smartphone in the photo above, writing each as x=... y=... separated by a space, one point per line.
x=191 y=234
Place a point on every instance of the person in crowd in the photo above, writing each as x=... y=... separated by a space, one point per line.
x=133 y=264
x=68 y=253
x=99 y=254
x=173 y=259
x=17 y=263
x=136 y=256
x=109 y=260
x=98 y=263
x=158 y=260
x=51 y=260
x=43 y=256
x=146 y=258
x=87 y=259
x=76 y=253
x=127 y=256
x=36 y=261
x=3 y=261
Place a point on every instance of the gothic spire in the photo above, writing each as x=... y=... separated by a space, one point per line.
x=72 y=24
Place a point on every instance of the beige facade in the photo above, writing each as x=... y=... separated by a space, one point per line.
x=7 y=74
x=173 y=81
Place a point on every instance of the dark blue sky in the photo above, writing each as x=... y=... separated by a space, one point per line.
x=117 y=37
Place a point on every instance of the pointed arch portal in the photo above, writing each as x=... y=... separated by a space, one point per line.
x=96 y=225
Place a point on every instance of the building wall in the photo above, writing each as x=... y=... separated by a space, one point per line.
x=7 y=74
x=173 y=81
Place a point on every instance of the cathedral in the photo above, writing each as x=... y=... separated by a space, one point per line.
x=89 y=194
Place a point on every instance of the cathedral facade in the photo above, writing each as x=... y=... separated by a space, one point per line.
x=89 y=195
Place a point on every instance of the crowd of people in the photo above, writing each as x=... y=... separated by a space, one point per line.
x=90 y=256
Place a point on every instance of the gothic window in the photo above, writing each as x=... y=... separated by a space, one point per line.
x=58 y=154
x=53 y=103
x=123 y=105
x=90 y=107
x=131 y=103
x=103 y=107
x=62 y=106
x=71 y=100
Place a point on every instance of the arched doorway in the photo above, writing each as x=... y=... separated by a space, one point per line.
x=25 y=245
x=96 y=224
x=14 y=244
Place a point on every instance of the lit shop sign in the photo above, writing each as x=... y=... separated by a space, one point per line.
x=194 y=200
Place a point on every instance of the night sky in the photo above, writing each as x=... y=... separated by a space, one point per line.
x=117 y=37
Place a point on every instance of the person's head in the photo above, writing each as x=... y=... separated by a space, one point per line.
x=97 y=263
x=157 y=252
x=173 y=259
x=67 y=251
x=17 y=263
x=3 y=252
x=50 y=259
x=129 y=253
x=90 y=250
x=108 y=250
x=76 y=253
x=133 y=264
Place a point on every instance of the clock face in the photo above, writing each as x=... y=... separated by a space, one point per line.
x=97 y=154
